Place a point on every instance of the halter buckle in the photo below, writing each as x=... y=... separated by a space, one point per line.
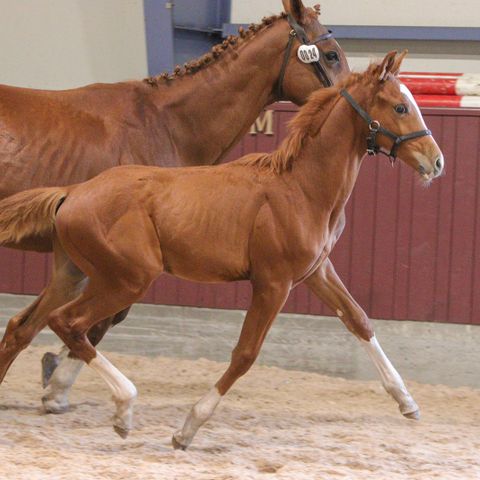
x=372 y=147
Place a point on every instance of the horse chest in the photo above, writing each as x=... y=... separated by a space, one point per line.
x=312 y=250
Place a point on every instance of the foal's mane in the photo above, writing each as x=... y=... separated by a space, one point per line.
x=231 y=41
x=307 y=123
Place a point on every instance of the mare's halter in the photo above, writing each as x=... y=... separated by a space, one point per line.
x=299 y=32
x=375 y=129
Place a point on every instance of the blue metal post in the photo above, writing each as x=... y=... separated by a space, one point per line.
x=159 y=35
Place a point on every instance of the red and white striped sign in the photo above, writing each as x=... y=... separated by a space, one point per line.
x=448 y=101
x=457 y=84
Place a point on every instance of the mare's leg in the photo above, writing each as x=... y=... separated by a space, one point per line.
x=59 y=372
x=326 y=284
x=17 y=336
x=71 y=323
x=267 y=301
x=22 y=328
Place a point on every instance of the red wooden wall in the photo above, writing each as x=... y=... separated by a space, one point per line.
x=408 y=252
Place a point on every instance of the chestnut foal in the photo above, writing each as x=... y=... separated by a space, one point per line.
x=271 y=218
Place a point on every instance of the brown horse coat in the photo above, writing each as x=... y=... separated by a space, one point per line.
x=194 y=117
x=270 y=218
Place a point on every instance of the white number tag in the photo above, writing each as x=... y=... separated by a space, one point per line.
x=308 y=53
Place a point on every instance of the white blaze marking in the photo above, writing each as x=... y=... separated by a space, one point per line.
x=198 y=415
x=391 y=379
x=406 y=91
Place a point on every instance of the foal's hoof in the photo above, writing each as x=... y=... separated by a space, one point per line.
x=50 y=362
x=52 y=406
x=412 y=415
x=123 y=432
x=177 y=445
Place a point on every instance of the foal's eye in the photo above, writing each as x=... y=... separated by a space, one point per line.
x=332 y=56
x=401 y=108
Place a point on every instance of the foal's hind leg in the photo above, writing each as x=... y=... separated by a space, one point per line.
x=59 y=372
x=267 y=301
x=72 y=322
x=326 y=284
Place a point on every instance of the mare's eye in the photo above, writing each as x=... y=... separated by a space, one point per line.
x=401 y=108
x=332 y=56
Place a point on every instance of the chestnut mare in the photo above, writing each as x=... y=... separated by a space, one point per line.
x=270 y=218
x=193 y=117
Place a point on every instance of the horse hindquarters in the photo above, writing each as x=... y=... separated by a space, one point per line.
x=119 y=274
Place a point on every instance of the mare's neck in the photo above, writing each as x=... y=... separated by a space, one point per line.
x=328 y=166
x=209 y=112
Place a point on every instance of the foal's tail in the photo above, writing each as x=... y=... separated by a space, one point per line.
x=30 y=213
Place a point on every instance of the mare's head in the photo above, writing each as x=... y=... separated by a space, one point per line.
x=300 y=75
x=393 y=119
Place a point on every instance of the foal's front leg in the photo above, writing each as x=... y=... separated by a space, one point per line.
x=267 y=301
x=326 y=284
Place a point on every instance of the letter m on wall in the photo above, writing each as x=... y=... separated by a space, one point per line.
x=263 y=124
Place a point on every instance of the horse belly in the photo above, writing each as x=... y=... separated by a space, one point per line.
x=204 y=262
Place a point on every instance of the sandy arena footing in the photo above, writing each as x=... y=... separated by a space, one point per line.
x=274 y=424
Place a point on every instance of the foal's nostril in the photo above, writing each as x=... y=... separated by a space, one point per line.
x=439 y=164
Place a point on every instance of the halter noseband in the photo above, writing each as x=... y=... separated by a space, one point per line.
x=375 y=128
x=299 y=32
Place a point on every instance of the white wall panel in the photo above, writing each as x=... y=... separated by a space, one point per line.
x=424 y=55
x=67 y=43
x=422 y=13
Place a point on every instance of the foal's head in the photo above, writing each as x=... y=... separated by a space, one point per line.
x=396 y=111
x=300 y=78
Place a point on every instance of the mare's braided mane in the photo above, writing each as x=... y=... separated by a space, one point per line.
x=195 y=66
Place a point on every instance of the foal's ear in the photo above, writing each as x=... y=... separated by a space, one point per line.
x=295 y=8
x=386 y=66
x=398 y=62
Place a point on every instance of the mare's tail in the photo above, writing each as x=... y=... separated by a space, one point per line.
x=30 y=213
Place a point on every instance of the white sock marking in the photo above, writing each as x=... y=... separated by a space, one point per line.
x=63 y=378
x=391 y=379
x=198 y=415
x=123 y=390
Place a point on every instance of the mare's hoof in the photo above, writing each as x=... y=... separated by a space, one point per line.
x=412 y=415
x=122 y=432
x=52 y=406
x=50 y=362
x=177 y=445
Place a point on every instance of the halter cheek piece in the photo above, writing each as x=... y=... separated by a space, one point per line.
x=299 y=33
x=375 y=129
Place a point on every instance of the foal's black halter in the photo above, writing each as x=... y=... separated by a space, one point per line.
x=375 y=128
x=299 y=32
